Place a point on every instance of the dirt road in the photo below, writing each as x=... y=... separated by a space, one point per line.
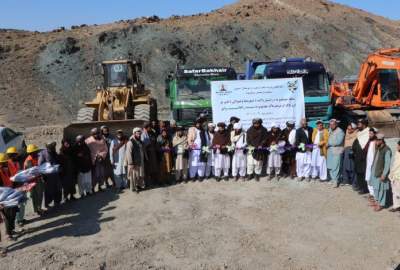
x=210 y=225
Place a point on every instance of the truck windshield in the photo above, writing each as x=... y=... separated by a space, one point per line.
x=116 y=75
x=390 y=84
x=195 y=88
x=314 y=84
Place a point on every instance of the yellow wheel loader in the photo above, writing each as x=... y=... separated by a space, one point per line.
x=121 y=103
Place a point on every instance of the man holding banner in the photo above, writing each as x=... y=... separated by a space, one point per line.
x=304 y=148
x=256 y=141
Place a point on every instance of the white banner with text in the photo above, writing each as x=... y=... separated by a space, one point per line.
x=273 y=100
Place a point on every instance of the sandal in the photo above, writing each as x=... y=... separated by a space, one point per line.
x=394 y=209
x=3 y=252
x=378 y=208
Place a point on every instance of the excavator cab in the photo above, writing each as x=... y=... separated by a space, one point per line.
x=389 y=86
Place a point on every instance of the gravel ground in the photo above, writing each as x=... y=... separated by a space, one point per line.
x=210 y=225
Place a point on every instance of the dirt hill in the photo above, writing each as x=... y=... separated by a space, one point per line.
x=45 y=77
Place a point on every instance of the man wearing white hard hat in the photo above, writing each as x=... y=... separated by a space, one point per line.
x=239 y=160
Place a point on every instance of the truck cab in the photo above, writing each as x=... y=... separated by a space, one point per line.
x=189 y=91
x=316 y=81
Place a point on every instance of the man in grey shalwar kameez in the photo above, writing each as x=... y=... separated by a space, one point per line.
x=335 y=151
x=380 y=172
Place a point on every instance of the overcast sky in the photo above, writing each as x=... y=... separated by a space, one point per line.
x=44 y=15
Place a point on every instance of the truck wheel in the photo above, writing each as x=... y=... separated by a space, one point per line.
x=142 y=112
x=87 y=115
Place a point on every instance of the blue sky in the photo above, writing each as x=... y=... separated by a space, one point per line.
x=44 y=15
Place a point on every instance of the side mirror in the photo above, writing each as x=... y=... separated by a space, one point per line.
x=97 y=69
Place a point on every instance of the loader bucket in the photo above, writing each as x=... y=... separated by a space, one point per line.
x=384 y=122
x=83 y=128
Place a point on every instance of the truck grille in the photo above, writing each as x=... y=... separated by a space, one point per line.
x=317 y=109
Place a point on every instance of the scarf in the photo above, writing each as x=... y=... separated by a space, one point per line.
x=221 y=139
x=363 y=137
x=350 y=138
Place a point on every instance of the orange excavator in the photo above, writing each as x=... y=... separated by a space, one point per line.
x=374 y=94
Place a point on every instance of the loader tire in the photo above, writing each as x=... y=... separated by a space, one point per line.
x=87 y=115
x=142 y=112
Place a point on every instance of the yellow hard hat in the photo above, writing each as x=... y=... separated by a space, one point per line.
x=3 y=158
x=31 y=148
x=12 y=150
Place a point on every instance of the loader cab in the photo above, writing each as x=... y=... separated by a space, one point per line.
x=124 y=73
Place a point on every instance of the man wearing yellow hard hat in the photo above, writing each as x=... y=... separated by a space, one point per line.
x=5 y=181
x=14 y=166
x=37 y=191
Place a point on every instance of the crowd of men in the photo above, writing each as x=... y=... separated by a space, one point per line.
x=160 y=154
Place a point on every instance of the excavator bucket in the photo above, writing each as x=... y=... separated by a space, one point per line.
x=83 y=128
x=384 y=122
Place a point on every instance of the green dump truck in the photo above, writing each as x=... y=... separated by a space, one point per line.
x=189 y=91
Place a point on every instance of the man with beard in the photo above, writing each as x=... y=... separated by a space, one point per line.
x=180 y=145
x=198 y=142
x=256 y=141
x=274 y=157
x=239 y=161
x=68 y=172
x=164 y=144
x=348 y=169
x=380 y=172
x=370 y=161
x=303 y=155
x=288 y=135
x=135 y=159
x=210 y=158
x=52 y=182
x=99 y=151
x=108 y=168
x=232 y=121
x=335 y=151
x=318 y=160
x=152 y=161
x=220 y=144
x=360 y=150
x=117 y=158
x=83 y=165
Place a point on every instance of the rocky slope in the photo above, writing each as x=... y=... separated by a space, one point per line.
x=45 y=77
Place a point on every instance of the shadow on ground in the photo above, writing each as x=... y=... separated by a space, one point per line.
x=73 y=219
